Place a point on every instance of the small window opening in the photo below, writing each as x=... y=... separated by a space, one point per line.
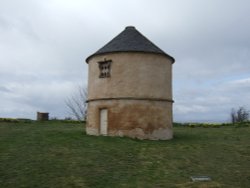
x=104 y=67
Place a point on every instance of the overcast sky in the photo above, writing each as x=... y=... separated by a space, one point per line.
x=43 y=46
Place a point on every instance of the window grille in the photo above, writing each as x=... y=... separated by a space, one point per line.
x=104 y=67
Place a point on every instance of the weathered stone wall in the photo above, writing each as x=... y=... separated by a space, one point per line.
x=132 y=75
x=137 y=95
x=143 y=119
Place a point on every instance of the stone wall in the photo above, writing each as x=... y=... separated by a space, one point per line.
x=132 y=75
x=137 y=95
x=42 y=116
x=143 y=119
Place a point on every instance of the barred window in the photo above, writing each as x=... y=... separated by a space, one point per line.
x=104 y=67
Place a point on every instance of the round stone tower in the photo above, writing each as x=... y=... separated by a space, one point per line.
x=130 y=89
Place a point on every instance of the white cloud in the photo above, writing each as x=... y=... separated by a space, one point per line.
x=212 y=103
x=44 y=44
x=245 y=82
x=28 y=98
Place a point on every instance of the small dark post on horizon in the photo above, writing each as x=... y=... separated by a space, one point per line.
x=42 y=116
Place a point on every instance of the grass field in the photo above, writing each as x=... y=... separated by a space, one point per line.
x=57 y=154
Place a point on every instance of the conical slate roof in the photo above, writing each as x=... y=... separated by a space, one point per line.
x=130 y=40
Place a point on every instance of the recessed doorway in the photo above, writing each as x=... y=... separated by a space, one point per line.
x=103 y=121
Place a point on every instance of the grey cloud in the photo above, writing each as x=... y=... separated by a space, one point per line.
x=44 y=44
x=212 y=103
x=4 y=89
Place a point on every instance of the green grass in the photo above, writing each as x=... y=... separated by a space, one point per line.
x=57 y=154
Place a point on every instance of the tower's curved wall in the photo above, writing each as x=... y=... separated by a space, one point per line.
x=140 y=75
x=137 y=95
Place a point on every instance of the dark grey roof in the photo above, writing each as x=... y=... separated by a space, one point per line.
x=130 y=40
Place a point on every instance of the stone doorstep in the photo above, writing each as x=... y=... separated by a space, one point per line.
x=200 y=178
